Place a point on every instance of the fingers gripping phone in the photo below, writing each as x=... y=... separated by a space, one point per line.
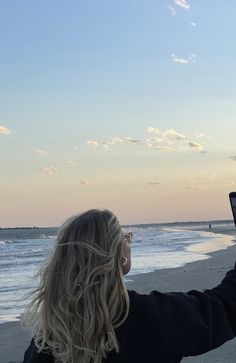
x=232 y=198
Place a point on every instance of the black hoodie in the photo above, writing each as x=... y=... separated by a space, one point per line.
x=165 y=327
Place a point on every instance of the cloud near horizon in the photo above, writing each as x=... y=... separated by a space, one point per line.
x=40 y=151
x=212 y=177
x=130 y=140
x=49 y=170
x=72 y=163
x=92 y=142
x=153 y=182
x=4 y=130
x=195 y=145
x=111 y=177
x=84 y=182
x=193 y=184
x=169 y=133
x=153 y=130
x=228 y=182
x=32 y=183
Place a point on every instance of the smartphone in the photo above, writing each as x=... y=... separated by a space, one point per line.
x=232 y=198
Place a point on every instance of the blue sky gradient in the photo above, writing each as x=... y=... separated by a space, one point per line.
x=79 y=71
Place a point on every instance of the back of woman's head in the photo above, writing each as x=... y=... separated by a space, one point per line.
x=81 y=298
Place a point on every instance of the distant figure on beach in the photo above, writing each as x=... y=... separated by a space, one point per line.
x=82 y=311
x=209 y=225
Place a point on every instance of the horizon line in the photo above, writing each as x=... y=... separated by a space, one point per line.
x=135 y=224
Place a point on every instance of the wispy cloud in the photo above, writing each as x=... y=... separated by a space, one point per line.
x=113 y=166
x=92 y=142
x=153 y=130
x=154 y=182
x=179 y=60
x=169 y=133
x=32 y=184
x=163 y=148
x=211 y=177
x=166 y=134
x=195 y=145
x=233 y=157
x=192 y=58
x=40 y=151
x=84 y=182
x=183 y=4
x=172 y=10
x=193 y=187
x=192 y=184
x=49 y=170
x=130 y=140
x=116 y=140
x=201 y=135
x=160 y=144
x=111 y=177
x=72 y=163
x=166 y=140
x=228 y=182
x=62 y=167
x=4 y=130
x=193 y=24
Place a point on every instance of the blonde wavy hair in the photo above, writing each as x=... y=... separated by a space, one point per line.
x=81 y=298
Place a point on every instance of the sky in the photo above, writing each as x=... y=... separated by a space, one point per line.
x=127 y=105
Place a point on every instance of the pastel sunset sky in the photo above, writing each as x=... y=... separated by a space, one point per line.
x=127 y=105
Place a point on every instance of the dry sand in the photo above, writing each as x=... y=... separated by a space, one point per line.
x=197 y=275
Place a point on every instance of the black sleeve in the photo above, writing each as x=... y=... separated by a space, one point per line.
x=32 y=356
x=195 y=322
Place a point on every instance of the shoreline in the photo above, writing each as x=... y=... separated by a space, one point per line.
x=223 y=240
x=199 y=275
x=219 y=261
x=134 y=281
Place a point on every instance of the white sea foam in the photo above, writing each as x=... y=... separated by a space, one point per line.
x=5 y=242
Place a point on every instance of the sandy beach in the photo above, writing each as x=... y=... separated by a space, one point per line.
x=196 y=275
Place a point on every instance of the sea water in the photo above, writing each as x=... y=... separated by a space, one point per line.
x=154 y=247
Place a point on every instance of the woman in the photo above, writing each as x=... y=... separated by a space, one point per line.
x=83 y=313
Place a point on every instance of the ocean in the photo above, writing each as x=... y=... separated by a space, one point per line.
x=155 y=246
